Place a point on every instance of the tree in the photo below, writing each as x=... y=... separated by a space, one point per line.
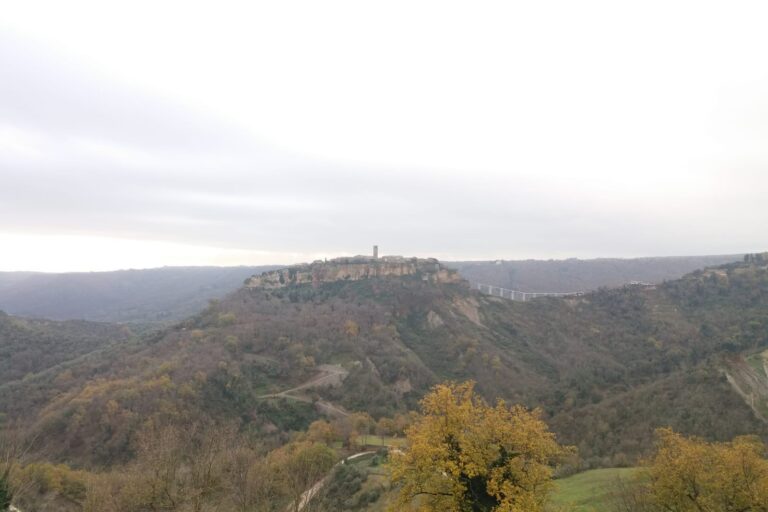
x=176 y=469
x=252 y=482
x=320 y=431
x=301 y=466
x=5 y=491
x=361 y=426
x=464 y=455
x=692 y=475
x=13 y=451
x=385 y=427
x=351 y=328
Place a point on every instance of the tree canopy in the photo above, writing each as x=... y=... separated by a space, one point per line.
x=690 y=474
x=466 y=455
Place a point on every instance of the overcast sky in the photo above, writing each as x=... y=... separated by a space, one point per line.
x=139 y=134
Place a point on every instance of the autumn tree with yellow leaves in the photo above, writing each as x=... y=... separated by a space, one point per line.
x=690 y=474
x=464 y=455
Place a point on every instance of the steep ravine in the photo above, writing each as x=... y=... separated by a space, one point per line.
x=748 y=375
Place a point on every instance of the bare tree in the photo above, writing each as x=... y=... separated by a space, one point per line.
x=302 y=467
x=629 y=496
x=14 y=450
x=253 y=483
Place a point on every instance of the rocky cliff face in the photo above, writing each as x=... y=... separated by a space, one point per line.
x=354 y=269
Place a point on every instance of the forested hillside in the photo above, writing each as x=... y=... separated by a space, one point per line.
x=575 y=275
x=30 y=346
x=606 y=367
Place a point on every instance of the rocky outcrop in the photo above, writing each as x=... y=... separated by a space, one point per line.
x=469 y=308
x=749 y=378
x=355 y=269
x=434 y=320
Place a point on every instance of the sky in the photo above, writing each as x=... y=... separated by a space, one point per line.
x=142 y=134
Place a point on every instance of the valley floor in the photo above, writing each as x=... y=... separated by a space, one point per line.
x=590 y=491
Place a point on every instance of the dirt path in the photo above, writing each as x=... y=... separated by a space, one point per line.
x=312 y=491
x=330 y=375
x=331 y=409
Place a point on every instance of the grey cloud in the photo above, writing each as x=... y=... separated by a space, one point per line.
x=44 y=94
x=200 y=180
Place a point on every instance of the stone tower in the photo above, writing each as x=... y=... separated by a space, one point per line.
x=375 y=252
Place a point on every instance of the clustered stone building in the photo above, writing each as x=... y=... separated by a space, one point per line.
x=355 y=268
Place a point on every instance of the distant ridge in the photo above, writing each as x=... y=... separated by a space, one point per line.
x=159 y=295
x=576 y=275
x=165 y=295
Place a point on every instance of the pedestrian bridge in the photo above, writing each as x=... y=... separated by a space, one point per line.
x=506 y=293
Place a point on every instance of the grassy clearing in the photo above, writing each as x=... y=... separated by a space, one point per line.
x=756 y=361
x=380 y=441
x=589 y=491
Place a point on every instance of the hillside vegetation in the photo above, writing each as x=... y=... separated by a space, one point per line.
x=607 y=368
x=30 y=346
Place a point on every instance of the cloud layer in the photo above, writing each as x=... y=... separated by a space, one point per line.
x=483 y=134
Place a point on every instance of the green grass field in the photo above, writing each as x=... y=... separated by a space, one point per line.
x=589 y=491
x=380 y=441
x=757 y=362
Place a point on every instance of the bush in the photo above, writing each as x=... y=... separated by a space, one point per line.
x=5 y=493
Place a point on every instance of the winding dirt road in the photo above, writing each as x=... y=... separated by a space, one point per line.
x=312 y=491
x=330 y=375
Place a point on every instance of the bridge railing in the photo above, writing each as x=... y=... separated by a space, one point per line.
x=507 y=293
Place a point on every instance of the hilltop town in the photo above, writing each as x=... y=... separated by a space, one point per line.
x=355 y=268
